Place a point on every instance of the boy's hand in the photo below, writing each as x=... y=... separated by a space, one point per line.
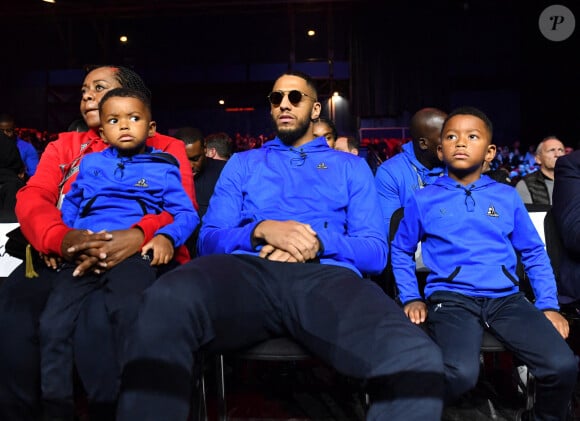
x=162 y=250
x=559 y=322
x=416 y=311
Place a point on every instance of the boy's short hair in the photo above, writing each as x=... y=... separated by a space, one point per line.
x=329 y=123
x=126 y=93
x=476 y=112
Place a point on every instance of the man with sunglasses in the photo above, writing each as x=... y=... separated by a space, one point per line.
x=290 y=230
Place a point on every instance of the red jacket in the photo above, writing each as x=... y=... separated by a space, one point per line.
x=36 y=203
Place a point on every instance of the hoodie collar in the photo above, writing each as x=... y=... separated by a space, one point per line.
x=451 y=184
x=316 y=145
x=114 y=152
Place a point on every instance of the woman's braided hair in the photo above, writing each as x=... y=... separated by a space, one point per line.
x=126 y=77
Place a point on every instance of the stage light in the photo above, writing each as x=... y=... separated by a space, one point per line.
x=49 y=1
x=311 y=32
x=123 y=38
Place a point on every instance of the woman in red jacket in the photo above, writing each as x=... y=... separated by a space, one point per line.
x=37 y=210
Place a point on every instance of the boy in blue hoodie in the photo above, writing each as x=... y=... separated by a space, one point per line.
x=114 y=189
x=472 y=229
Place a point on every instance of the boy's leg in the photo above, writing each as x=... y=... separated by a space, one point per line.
x=351 y=324
x=103 y=321
x=222 y=301
x=536 y=342
x=96 y=357
x=56 y=327
x=454 y=324
x=123 y=291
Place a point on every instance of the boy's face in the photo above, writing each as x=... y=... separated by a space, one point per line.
x=126 y=124
x=323 y=129
x=465 y=145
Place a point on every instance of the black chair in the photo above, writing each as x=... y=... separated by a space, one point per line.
x=280 y=349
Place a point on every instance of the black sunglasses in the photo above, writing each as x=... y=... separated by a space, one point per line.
x=294 y=96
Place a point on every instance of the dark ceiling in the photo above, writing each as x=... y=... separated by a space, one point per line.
x=71 y=33
x=415 y=50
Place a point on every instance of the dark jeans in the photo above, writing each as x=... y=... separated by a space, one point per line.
x=22 y=300
x=224 y=302
x=456 y=322
x=123 y=285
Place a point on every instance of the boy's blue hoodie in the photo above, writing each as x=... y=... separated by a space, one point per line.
x=469 y=237
x=113 y=192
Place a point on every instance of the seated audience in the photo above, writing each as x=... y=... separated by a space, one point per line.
x=27 y=151
x=218 y=146
x=348 y=144
x=401 y=176
x=10 y=177
x=325 y=127
x=566 y=211
x=537 y=187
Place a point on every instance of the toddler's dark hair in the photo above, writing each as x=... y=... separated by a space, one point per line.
x=125 y=93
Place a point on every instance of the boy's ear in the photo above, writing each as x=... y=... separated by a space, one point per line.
x=152 y=128
x=102 y=135
x=490 y=154
x=423 y=143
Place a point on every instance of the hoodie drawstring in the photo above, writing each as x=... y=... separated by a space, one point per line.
x=469 y=200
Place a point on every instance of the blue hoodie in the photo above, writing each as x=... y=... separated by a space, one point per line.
x=399 y=177
x=331 y=190
x=113 y=192
x=470 y=236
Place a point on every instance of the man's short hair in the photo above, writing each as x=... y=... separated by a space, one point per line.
x=189 y=135
x=221 y=142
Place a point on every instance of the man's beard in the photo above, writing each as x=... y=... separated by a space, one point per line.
x=290 y=136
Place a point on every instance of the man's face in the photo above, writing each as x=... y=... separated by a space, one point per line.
x=292 y=119
x=8 y=128
x=196 y=156
x=549 y=152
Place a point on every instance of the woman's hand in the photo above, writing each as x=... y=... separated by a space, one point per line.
x=102 y=250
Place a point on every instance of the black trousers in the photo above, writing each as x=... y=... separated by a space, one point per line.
x=22 y=301
x=224 y=302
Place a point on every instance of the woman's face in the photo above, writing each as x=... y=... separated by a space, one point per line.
x=95 y=85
